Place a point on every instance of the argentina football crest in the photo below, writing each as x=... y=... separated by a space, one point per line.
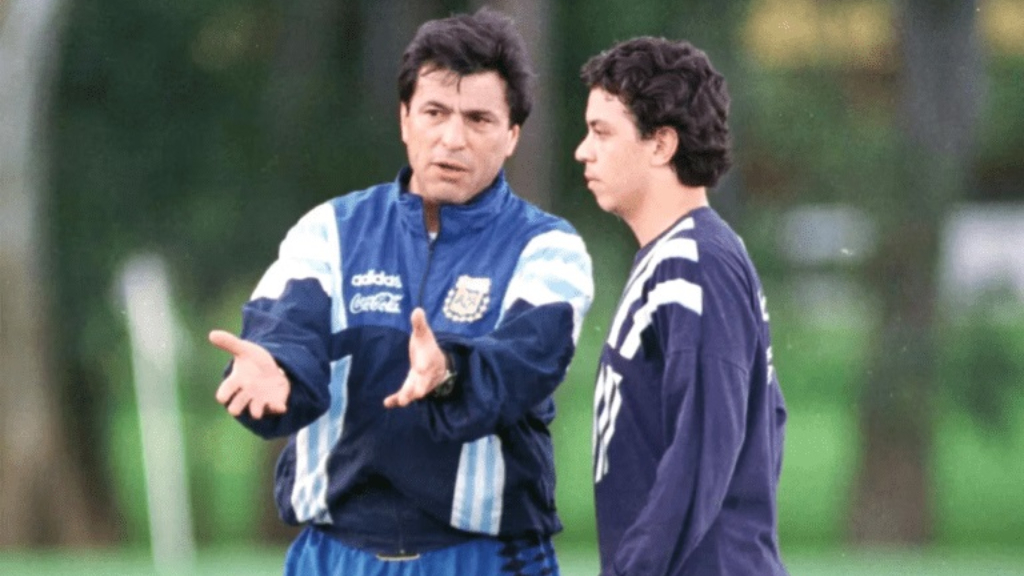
x=467 y=301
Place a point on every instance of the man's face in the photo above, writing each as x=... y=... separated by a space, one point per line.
x=615 y=159
x=456 y=133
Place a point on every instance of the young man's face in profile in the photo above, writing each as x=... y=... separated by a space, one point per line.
x=457 y=135
x=616 y=160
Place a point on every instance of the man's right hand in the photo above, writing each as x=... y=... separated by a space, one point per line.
x=256 y=381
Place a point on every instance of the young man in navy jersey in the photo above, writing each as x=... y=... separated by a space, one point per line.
x=410 y=335
x=689 y=417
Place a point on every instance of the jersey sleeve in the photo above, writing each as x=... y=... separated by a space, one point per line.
x=708 y=351
x=510 y=371
x=289 y=314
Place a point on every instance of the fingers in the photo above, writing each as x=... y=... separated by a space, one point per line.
x=255 y=383
x=420 y=327
x=396 y=400
x=236 y=398
x=277 y=407
x=426 y=363
x=414 y=388
x=260 y=408
x=399 y=399
x=240 y=401
x=227 y=342
x=227 y=390
x=256 y=409
x=233 y=396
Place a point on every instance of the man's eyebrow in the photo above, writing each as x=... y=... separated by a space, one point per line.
x=436 y=104
x=470 y=112
x=479 y=113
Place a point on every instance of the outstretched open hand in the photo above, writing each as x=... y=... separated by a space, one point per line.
x=256 y=381
x=427 y=366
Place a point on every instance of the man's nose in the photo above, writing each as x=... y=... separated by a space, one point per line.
x=454 y=135
x=583 y=151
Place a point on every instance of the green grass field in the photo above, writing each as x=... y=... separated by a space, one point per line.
x=574 y=561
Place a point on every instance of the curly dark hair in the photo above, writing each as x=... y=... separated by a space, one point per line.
x=671 y=83
x=468 y=44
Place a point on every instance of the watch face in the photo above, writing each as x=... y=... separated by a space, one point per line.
x=446 y=386
x=448 y=383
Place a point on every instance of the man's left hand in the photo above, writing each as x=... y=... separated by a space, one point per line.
x=427 y=364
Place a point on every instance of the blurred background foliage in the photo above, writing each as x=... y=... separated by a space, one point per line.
x=201 y=131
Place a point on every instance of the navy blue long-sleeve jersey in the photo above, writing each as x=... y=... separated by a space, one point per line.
x=689 y=417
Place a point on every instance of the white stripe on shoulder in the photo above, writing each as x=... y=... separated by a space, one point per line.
x=310 y=250
x=666 y=248
x=643 y=266
x=678 y=291
x=553 y=267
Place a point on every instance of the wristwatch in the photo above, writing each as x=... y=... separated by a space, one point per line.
x=445 y=388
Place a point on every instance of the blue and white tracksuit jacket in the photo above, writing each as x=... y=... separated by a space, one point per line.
x=505 y=288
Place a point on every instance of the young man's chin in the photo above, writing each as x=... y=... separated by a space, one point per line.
x=606 y=204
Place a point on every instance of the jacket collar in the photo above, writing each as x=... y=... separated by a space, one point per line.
x=455 y=218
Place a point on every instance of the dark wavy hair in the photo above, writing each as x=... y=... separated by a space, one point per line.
x=671 y=83
x=467 y=44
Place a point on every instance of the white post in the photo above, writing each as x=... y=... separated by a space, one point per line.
x=153 y=334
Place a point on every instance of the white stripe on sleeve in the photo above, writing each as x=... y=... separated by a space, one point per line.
x=479 y=487
x=553 y=267
x=309 y=250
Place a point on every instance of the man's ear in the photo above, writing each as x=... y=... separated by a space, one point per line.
x=666 y=142
x=403 y=118
x=513 y=140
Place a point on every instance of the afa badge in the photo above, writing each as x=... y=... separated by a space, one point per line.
x=467 y=301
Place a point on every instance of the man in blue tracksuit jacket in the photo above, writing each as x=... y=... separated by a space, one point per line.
x=409 y=337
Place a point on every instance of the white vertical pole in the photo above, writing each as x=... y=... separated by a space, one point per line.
x=153 y=332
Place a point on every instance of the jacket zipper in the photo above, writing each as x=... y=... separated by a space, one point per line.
x=419 y=297
x=398 y=526
x=430 y=258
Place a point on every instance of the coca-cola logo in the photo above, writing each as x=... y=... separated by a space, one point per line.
x=377 y=278
x=387 y=302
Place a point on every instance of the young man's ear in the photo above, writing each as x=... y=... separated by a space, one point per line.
x=666 y=142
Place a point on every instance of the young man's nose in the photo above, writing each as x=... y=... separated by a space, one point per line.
x=583 y=151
